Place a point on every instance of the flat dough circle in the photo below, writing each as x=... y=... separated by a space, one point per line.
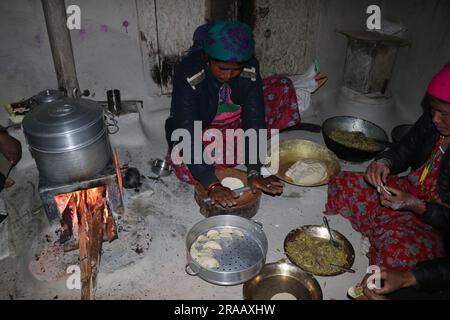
x=232 y=183
x=283 y=296
x=307 y=172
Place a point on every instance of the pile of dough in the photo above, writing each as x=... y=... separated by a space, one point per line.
x=307 y=172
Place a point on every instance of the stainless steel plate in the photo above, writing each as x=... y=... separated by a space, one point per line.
x=282 y=277
x=321 y=232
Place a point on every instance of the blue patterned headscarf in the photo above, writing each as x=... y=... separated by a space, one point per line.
x=229 y=41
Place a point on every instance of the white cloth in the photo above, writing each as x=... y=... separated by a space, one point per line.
x=304 y=85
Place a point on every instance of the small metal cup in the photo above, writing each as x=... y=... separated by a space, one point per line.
x=114 y=102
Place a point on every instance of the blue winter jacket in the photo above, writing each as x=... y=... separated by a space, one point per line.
x=195 y=98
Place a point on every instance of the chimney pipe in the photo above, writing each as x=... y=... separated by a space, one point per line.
x=61 y=45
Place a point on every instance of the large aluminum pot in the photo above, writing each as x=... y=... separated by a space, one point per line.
x=68 y=139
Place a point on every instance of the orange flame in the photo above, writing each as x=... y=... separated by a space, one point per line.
x=94 y=198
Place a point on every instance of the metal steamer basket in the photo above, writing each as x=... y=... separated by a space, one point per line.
x=240 y=259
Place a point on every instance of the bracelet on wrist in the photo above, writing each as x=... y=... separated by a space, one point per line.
x=253 y=173
x=212 y=186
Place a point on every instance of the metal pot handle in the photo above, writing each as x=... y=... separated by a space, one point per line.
x=111 y=122
x=258 y=223
x=190 y=271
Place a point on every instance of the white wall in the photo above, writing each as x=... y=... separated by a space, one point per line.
x=109 y=56
x=26 y=64
x=428 y=24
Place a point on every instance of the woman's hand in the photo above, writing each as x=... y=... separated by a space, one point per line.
x=393 y=281
x=401 y=200
x=10 y=148
x=270 y=184
x=223 y=196
x=377 y=173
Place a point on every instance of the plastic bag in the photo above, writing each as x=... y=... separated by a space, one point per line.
x=306 y=84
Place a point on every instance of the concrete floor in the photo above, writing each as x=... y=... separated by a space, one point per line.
x=166 y=211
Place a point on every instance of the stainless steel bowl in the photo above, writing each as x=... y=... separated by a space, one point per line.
x=240 y=260
x=161 y=168
x=282 y=277
x=352 y=124
x=321 y=232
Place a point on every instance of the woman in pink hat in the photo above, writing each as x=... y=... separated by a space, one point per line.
x=405 y=218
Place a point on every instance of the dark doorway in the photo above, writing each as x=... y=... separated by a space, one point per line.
x=240 y=10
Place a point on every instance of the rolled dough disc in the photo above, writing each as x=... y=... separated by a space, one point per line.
x=307 y=172
x=232 y=183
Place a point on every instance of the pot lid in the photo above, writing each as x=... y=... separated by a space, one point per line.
x=62 y=116
x=47 y=96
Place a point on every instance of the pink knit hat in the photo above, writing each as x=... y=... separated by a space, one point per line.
x=439 y=86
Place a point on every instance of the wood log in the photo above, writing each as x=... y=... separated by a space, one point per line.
x=90 y=243
x=247 y=204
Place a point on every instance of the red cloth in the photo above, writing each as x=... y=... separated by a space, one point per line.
x=399 y=240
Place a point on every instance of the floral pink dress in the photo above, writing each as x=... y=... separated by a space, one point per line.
x=398 y=239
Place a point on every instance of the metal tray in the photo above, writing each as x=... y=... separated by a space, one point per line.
x=321 y=232
x=241 y=258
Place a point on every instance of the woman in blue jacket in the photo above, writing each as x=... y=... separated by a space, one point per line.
x=219 y=85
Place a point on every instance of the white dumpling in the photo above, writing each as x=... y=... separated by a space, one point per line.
x=238 y=233
x=198 y=250
x=212 y=245
x=356 y=292
x=208 y=262
x=202 y=238
x=226 y=233
x=213 y=234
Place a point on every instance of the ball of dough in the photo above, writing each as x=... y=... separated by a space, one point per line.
x=307 y=172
